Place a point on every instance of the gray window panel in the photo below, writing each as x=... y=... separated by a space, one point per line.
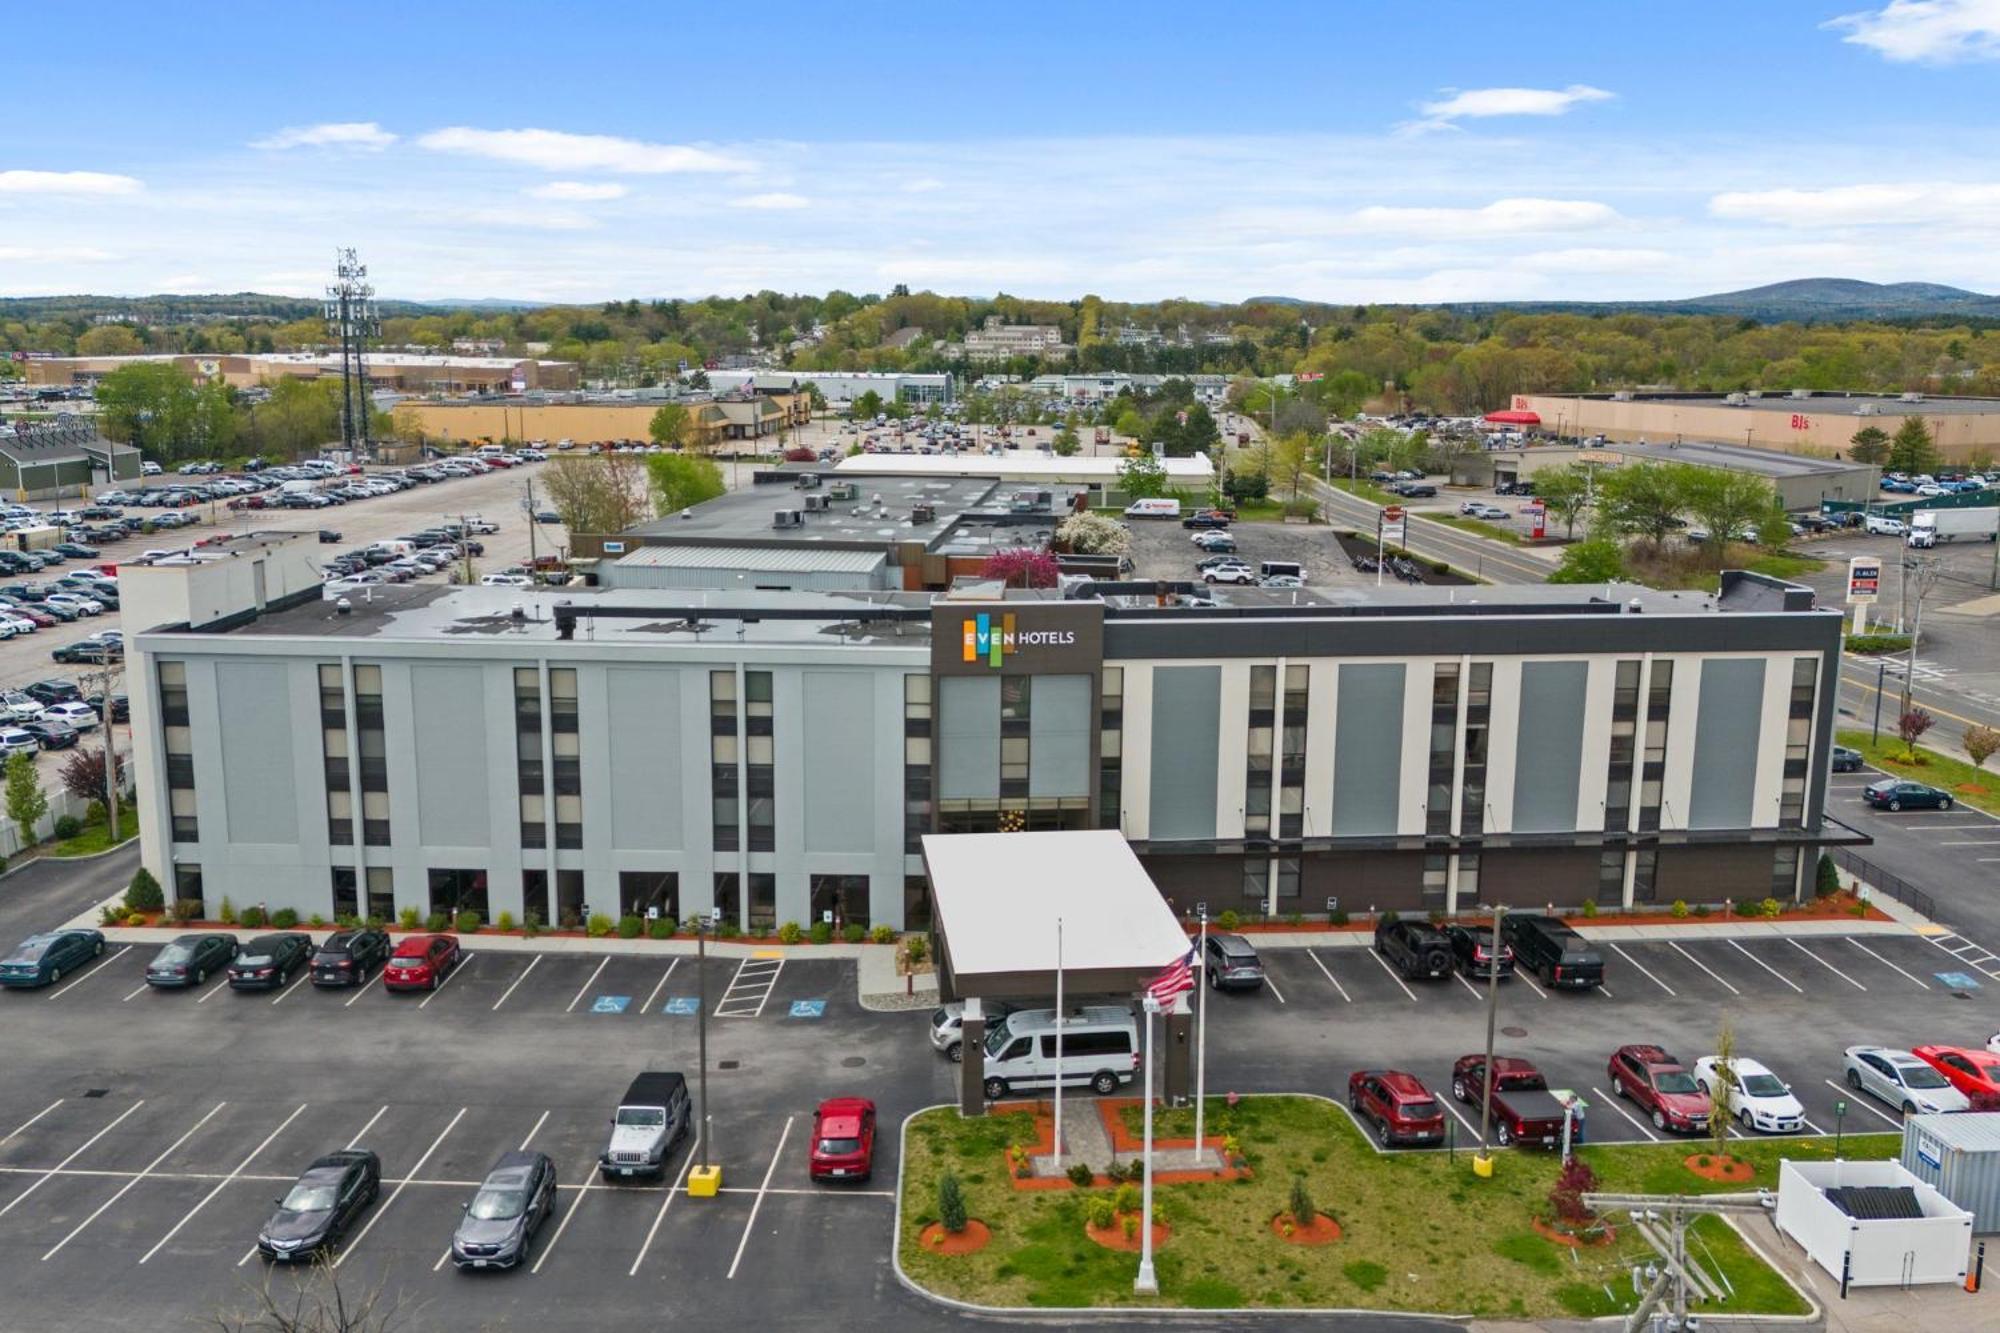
x=1368 y=748
x=1726 y=732
x=969 y=738
x=1187 y=720
x=448 y=710
x=1549 y=749
x=1059 y=737
x=645 y=740
x=257 y=751
x=839 y=730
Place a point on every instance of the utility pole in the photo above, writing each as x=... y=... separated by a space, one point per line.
x=528 y=507
x=104 y=679
x=351 y=317
x=1492 y=1020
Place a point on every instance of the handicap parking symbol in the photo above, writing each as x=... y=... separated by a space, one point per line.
x=610 y=1004
x=808 y=1008
x=682 y=1006
x=1957 y=980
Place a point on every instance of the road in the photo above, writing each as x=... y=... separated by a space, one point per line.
x=1483 y=557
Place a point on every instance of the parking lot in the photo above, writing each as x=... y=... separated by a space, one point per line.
x=1162 y=549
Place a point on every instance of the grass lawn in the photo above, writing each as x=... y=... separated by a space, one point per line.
x=1367 y=490
x=96 y=836
x=1670 y=565
x=1476 y=525
x=1422 y=1233
x=1973 y=786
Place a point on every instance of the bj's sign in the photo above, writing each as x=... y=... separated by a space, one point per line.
x=1023 y=638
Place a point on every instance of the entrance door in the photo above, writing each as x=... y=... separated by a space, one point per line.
x=846 y=896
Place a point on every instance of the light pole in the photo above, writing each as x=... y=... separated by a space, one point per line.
x=1201 y=1041
x=704 y=1142
x=1483 y=1163
x=1147 y=1283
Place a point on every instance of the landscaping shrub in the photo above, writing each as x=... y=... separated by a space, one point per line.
x=1228 y=920
x=531 y=924
x=468 y=922
x=629 y=927
x=1576 y=1180
x=111 y=914
x=1826 y=880
x=144 y=894
x=1701 y=909
x=226 y=914
x=1295 y=918
x=822 y=932
x=1680 y=908
x=254 y=917
x=187 y=909
x=1129 y=1224
x=729 y=930
x=1589 y=907
x=883 y=934
x=790 y=933
x=915 y=948
x=1746 y=908
x=67 y=827
x=505 y=921
x=660 y=928
x=409 y=918
x=136 y=919
x=436 y=922
x=853 y=932
x=1770 y=907
x=1302 y=1208
x=1389 y=918
x=1080 y=1175
x=1337 y=917
x=316 y=921
x=1878 y=643
x=951 y=1203
x=569 y=920
x=598 y=926
x=284 y=919
x=1099 y=1212
x=95 y=813
x=1125 y=1198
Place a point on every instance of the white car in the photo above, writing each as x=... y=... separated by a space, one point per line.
x=18 y=707
x=14 y=741
x=77 y=602
x=1757 y=1098
x=12 y=624
x=506 y=581
x=1881 y=525
x=1902 y=1080
x=79 y=715
x=339 y=588
x=150 y=469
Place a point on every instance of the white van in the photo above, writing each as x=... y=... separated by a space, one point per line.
x=490 y=451
x=1153 y=509
x=1100 y=1049
x=300 y=487
x=1883 y=525
x=395 y=549
x=1287 y=568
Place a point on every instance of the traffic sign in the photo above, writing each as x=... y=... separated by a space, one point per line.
x=1393 y=523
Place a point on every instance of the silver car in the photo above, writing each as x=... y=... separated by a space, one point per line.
x=948 y=1025
x=1902 y=1080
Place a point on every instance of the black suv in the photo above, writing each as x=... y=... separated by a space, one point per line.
x=1414 y=948
x=1552 y=951
x=348 y=955
x=322 y=1205
x=268 y=961
x=46 y=692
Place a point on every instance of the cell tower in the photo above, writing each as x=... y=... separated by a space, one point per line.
x=352 y=319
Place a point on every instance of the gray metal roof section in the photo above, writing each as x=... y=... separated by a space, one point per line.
x=1735 y=457
x=746 y=515
x=1966 y=1131
x=1840 y=404
x=800 y=559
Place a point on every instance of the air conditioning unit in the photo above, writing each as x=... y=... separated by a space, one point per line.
x=809 y=482
x=1622 y=396
x=840 y=490
x=1735 y=399
x=788 y=518
x=815 y=504
x=1913 y=398
x=922 y=513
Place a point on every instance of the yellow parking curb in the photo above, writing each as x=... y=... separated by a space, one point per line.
x=767 y=953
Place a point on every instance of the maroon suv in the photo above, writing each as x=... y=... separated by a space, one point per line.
x=1399 y=1106
x=1661 y=1086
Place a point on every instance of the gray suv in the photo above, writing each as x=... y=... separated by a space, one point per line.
x=1232 y=964
x=499 y=1225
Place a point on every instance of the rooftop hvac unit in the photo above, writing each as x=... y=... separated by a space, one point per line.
x=788 y=518
x=809 y=481
x=1800 y=393
x=1735 y=399
x=815 y=504
x=1869 y=410
x=922 y=513
x=1754 y=393
x=840 y=490
x=1913 y=398
x=1622 y=396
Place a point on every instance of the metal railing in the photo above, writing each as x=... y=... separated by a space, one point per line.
x=1882 y=881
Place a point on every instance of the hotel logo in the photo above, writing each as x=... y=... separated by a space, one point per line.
x=992 y=639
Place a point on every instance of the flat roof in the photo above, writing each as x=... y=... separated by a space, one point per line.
x=1843 y=404
x=1020 y=464
x=744 y=517
x=1000 y=895
x=1736 y=457
x=799 y=559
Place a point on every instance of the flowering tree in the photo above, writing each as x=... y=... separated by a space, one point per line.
x=1911 y=726
x=1021 y=568
x=1576 y=1180
x=1093 y=534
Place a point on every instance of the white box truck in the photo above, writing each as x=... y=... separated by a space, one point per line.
x=1928 y=527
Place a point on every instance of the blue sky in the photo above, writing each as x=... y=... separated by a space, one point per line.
x=1350 y=151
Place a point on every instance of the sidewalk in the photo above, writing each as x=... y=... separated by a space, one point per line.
x=1668 y=928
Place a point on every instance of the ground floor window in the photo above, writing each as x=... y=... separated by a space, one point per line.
x=641 y=892
x=1611 y=878
x=763 y=904
x=571 y=909
x=346 y=893
x=1437 y=873
x=729 y=900
x=1645 y=880
x=187 y=884
x=535 y=897
x=916 y=903
x=1785 y=874
x=1468 y=878
x=381 y=883
x=846 y=896
x=1256 y=885
x=455 y=891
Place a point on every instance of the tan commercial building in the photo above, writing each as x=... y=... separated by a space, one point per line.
x=1819 y=424
x=711 y=423
x=402 y=371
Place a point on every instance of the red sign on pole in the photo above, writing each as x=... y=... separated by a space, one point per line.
x=1537 y=513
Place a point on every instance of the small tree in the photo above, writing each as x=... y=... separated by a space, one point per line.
x=680 y=480
x=1869 y=445
x=1566 y=492
x=1826 y=880
x=1910 y=726
x=1596 y=561
x=1303 y=1211
x=82 y=774
x=1913 y=449
x=1575 y=1181
x=26 y=801
x=144 y=894
x=1722 y=1109
x=951 y=1203
x=669 y=425
x=1066 y=442
x=1093 y=534
x=1021 y=568
x=1980 y=742
x=1144 y=477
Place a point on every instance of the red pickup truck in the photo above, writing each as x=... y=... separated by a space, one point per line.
x=1524 y=1110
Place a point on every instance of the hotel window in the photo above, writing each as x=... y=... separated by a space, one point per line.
x=729 y=900
x=761 y=771
x=1444 y=752
x=1785 y=874
x=1653 y=771
x=1016 y=705
x=916 y=761
x=179 y=741
x=528 y=756
x=1292 y=761
x=1624 y=738
x=1611 y=877
x=346 y=894
x=381 y=882
x=1256 y=884
x=1111 y=749
x=1437 y=874
x=1798 y=741
x=187 y=883
x=567 y=776
x=334 y=753
x=1645 y=876
x=1258 y=749
x=374 y=756
x=1468 y=878
x=1478 y=714
x=723 y=750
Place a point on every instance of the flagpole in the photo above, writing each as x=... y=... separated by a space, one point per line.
x=1201 y=1040
x=1059 y=1044
x=1147 y=1283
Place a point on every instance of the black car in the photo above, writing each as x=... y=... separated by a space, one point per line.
x=1471 y=946
x=1552 y=951
x=50 y=733
x=186 y=960
x=499 y=1225
x=348 y=955
x=1414 y=948
x=322 y=1205
x=1846 y=760
x=83 y=651
x=268 y=961
x=1231 y=963
x=547 y=516
x=46 y=692
x=328 y=536
x=1888 y=794
x=76 y=550
x=121 y=706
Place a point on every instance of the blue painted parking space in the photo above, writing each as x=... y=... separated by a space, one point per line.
x=808 y=1008
x=1957 y=980
x=682 y=1006
x=610 y=1004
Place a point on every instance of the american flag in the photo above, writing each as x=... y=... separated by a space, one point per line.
x=1175 y=978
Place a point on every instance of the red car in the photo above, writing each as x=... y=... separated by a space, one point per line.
x=1660 y=1085
x=843 y=1141
x=421 y=962
x=1398 y=1104
x=1976 y=1073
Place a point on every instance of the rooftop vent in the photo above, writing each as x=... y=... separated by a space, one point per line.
x=809 y=481
x=923 y=513
x=788 y=518
x=1912 y=398
x=1622 y=396
x=815 y=504
x=343 y=607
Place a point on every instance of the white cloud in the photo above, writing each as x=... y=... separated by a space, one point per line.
x=1934 y=32
x=57 y=254
x=1502 y=217
x=775 y=201
x=579 y=191
x=333 y=134
x=1484 y=103
x=1875 y=204
x=555 y=150
x=1584 y=259
x=922 y=185
x=67 y=182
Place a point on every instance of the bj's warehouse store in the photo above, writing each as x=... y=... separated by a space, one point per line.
x=780 y=754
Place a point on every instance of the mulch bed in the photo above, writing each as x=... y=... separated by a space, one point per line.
x=1323 y=1231
x=974 y=1238
x=1113 y=1237
x=1720 y=1168
x=1604 y=1236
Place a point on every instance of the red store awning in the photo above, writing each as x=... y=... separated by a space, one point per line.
x=1514 y=417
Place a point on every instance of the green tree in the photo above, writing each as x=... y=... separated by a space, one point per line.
x=867 y=407
x=1143 y=477
x=1066 y=442
x=1595 y=561
x=1291 y=462
x=1642 y=499
x=602 y=494
x=680 y=480
x=1913 y=450
x=669 y=425
x=109 y=340
x=1726 y=502
x=1566 y=491
x=26 y=801
x=1130 y=424
x=150 y=404
x=1869 y=445
x=1345 y=391
x=1196 y=433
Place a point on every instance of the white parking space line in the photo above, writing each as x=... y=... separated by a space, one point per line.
x=1828 y=966
x=517 y=981
x=1276 y=994
x=29 y=1122
x=1703 y=966
x=660 y=1216
x=361 y=988
x=1617 y=1106
x=762 y=1189
x=1860 y=1099
x=1471 y=1129
x=1967 y=842
x=142 y=988
x=1886 y=963
x=220 y=1185
x=303 y=979
x=347 y=1250
x=219 y=985
x=659 y=986
x=589 y=1183
x=584 y=990
x=365 y=1128
x=1531 y=983
x=1943 y=828
x=44 y=1177
x=98 y=1211
x=1329 y=976
x=1807 y=1122
x=1644 y=971
x=463 y=963
x=531 y=1133
x=1392 y=974
x=1460 y=979
x=85 y=976
x=1766 y=966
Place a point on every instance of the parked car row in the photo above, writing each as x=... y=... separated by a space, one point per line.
x=1542 y=945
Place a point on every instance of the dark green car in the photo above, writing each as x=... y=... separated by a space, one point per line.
x=42 y=960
